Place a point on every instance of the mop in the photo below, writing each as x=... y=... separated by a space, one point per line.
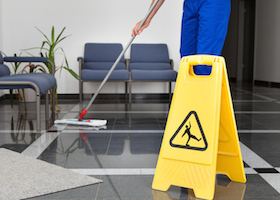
x=89 y=122
x=94 y=122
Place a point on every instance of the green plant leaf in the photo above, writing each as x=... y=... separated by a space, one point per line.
x=76 y=76
x=49 y=49
x=43 y=35
x=52 y=34
x=63 y=38
x=41 y=70
x=56 y=41
x=43 y=44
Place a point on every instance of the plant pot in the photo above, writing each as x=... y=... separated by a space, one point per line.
x=29 y=95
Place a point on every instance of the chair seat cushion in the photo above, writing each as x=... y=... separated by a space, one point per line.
x=103 y=65
x=153 y=75
x=149 y=66
x=44 y=81
x=99 y=75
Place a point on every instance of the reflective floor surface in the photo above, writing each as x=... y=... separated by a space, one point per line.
x=124 y=153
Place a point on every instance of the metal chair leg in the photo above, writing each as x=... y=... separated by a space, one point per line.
x=38 y=111
x=47 y=108
x=80 y=91
x=126 y=91
x=130 y=86
x=170 y=85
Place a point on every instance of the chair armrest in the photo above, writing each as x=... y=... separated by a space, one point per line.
x=29 y=59
x=25 y=59
x=80 y=58
x=172 y=64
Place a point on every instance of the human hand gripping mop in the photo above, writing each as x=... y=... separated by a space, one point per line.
x=95 y=122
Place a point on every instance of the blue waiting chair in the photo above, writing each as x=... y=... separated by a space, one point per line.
x=151 y=63
x=96 y=63
x=40 y=82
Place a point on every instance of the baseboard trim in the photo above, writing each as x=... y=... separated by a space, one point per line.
x=267 y=84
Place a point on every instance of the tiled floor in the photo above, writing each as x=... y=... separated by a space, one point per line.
x=124 y=153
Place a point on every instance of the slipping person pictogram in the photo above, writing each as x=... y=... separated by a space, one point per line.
x=188 y=130
x=192 y=127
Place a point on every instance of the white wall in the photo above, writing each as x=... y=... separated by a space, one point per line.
x=89 y=21
x=1 y=91
x=1 y=32
x=267 y=41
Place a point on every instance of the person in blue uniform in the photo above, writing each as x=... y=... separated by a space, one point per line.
x=204 y=28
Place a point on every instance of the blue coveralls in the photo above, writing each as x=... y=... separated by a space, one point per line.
x=204 y=29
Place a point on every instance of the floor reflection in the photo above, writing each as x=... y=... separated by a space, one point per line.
x=233 y=191
x=124 y=154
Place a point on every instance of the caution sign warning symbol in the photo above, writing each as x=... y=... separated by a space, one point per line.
x=190 y=134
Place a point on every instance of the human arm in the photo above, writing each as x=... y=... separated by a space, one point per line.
x=135 y=30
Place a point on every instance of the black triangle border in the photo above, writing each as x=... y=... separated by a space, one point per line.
x=180 y=127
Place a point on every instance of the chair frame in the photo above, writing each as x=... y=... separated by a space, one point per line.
x=131 y=81
x=81 y=82
x=128 y=83
x=35 y=87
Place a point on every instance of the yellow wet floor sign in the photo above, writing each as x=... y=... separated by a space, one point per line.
x=232 y=190
x=200 y=138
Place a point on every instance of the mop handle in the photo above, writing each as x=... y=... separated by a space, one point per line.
x=118 y=59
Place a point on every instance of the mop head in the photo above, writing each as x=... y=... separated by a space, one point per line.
x=89 y=122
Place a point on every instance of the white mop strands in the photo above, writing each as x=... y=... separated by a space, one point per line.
x=89 y=122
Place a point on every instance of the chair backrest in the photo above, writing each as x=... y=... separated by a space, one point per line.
x=1 y=58
x=150 y=53
x=102 y=52
x=149 y=57
x=4 y=70
x=102 y=56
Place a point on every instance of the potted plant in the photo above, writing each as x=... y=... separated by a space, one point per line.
x=49 y=48
x=28 y=94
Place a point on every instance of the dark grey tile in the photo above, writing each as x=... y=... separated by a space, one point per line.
x=275 y=95
x=266 y=106
x=150 y=107
x=145 y=143
x=71 y=151
x=139 y=119
x=17 y=141
x=126 y=187
x=265 y=90
x=245 y=122
x=265 y=145
x=271 y=121
x=266 y=170
x=108 y=107
x=245 y=96
x=146 y=127
x=65 y=107
x=258 y=188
